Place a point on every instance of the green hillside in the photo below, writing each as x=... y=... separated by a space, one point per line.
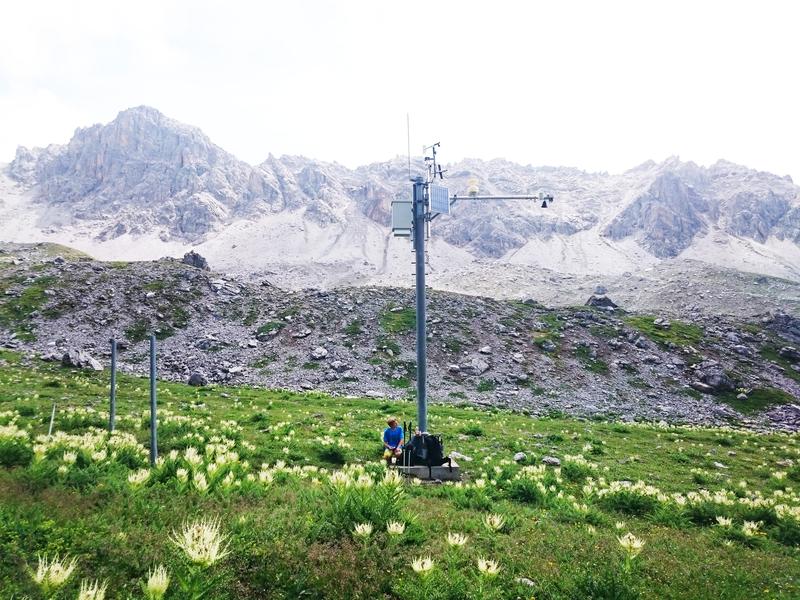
x=288 y=477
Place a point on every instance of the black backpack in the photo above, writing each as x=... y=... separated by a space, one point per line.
x=425 y=450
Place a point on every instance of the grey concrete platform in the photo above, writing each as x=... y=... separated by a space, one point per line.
x=443 y=473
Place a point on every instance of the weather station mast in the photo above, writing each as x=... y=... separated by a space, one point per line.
x=412 y=219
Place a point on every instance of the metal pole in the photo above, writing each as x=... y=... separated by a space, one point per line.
x=112 y=400
x=418 y=207
x=153 y=420
x=52 y=418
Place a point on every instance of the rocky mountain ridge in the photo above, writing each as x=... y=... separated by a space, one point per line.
x=594 y=361
x=145 y=185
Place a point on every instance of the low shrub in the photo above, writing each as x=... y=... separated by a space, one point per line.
x=15 y=453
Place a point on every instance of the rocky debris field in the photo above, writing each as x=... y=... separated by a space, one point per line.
x=594 y=360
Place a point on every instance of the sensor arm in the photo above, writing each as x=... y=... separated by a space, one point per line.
x=455 y=198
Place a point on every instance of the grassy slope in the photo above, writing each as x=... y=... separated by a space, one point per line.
x=278 y=548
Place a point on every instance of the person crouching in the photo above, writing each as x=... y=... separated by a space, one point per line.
x=392 y=441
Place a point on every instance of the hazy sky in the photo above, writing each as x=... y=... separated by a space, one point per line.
x=600 y=85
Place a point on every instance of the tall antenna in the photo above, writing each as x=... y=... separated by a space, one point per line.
x=408 y=134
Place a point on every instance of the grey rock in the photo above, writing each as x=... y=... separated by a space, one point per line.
x=548 y=346
x=319 y=353
x=476 y=366
x=712 y=374
x=601 y=302
x=485 y=350
x=551 y=461
x=80 y=359
x=790 y=353
x=197 y=379
x=701 y=387
x=193 y=259
x=520 y=457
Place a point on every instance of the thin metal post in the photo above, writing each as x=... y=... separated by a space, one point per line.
x=418 y=208
x=52 y=418
x=112 y=399
x=153 y=419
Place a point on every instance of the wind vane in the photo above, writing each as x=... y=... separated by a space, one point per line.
x=411 y=218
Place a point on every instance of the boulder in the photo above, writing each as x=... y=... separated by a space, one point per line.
x=193 y=259
x=548 y=346
x=520 y=457
x=601 y=301
x=789 y=353
x=319 y=353
x=551 y=461
x=80 y=359
x=340 y=366
x=711 y=374
x=197 y=379
x=701 y=387
x=476 y=366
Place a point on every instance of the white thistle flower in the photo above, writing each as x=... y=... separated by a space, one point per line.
x=494 y=522
x=488 y=568
x=199 y=481
x=92 y=590
x=422 y=565
x=202 y=541
x=395 y=528
x=363 y=530
x=631 y=544
x=456 y=539
x=157 y=583
x=724 y=521
x=52 y=574
x=751 y=528
x=139 y=477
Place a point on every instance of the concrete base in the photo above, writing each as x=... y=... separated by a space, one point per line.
x=443 y=473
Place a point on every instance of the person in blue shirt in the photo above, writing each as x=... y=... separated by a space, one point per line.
x=392 y=440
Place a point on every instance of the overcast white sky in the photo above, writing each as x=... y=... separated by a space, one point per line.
x=596 y=85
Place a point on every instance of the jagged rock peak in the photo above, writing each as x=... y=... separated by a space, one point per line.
x=144 y=172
